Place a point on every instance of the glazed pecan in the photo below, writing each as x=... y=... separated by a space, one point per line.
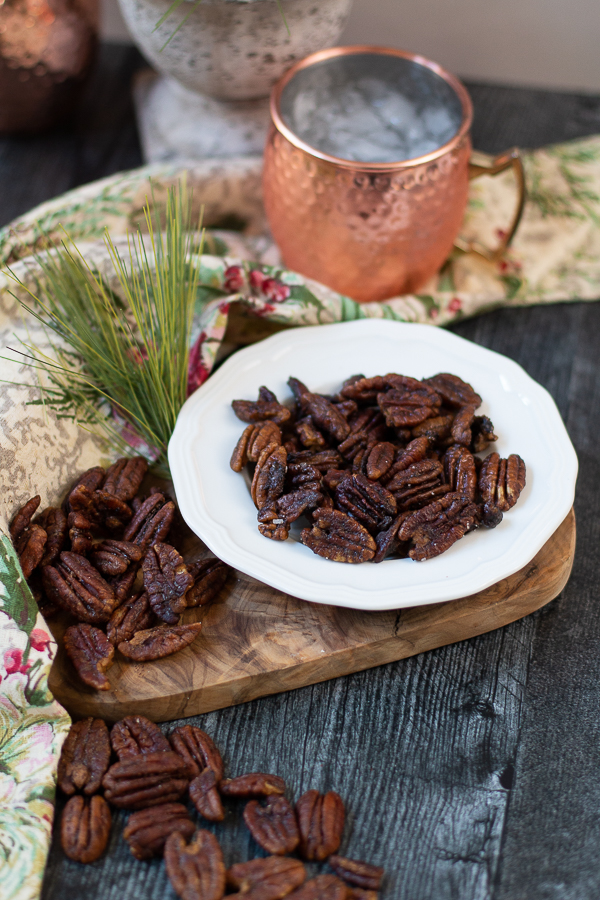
x=418 y=485
x=209 y=577
x=413 y=453
x=22 y=518
x=239 y=457
x=85 y=828
x=323 y=887
x=132 y=616
x=54 y=522
x=403 y=409
x=360 y=894
x=30 y=547
x=198 y=750
x=260 y=410
x=291 y=506
x=364 y=390
x=155 y=643
x=321 y=823
x=482 y=431
x=151 y=779
x=338 y=537
x=166 y=581
x=500 y=484
x=205 y=796
x=75 y=585
x=124 y=477
x=264 y=434
x=81 y=531
x=151 y=522
x=346 y=407
x=271 y=524
x=92 y=479
x=438 y=526
x=325 y=415
x=321 y=460
x=147 y=830
x=366 y=501
x=437 y=430
x=113 y=512
x=453 y=390
x=461 y=426
x=273 y=826
x=380 y=460
x=266 y=879
x=91 y=653
x=255 y=784
x=388 y=543
x=115 y=557
x=302 y=474
x=459 y=470
x=361 y=874
x=196 y=870
x=84 y=757
x=297 y=387
x=137 y=736
x=269 y=475
x=309 y=435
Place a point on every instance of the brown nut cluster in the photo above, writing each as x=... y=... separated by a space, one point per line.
x=151 y=777
x=386 y=467
x=101 y=559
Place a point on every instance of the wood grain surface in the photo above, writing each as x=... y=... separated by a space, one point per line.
x=257 y=641
x=470 y=771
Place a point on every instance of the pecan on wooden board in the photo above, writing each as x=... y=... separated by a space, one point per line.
x=209 y=577
x=166 y=581
x=156 y=643
x=76 y=586
x=91 y=653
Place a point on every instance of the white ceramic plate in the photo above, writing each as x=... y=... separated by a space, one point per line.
x=216 y=503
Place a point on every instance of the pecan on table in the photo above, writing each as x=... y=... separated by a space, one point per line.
x=273 y=826
x=500 y=484
x=205 y=796
x=309 y=435
x=264 y=434
x=482 y=431
x=453 y=390
x=323 y=887
x=124 y=477
x=209 y=577
x=146 y=780
x=54 y=522
x=151 y=522
x=197 y=749
x=418 y=485
x=75 y=585
x=134 y=615
x=361 y=874
x=321 y=824
x=255 y=784
x=336 y=536
x=460 y=472
x=368 y=502
x=155 y=643
x=91 y=653
x=438 y=526
x=166 y=581
x=266 y=879
x=380 y=460
x=147 y=830
x=260 y=410
x=269 y=475
x=84 y=757
x=137 y=736
x=403 y=409
x=114 y=557
x=196 y=870
x=85 y=828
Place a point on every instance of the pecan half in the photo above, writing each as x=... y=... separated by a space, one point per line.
x=84 y=757
x=321 y=460
x=91 y=653
x=325 y=415
x=387 y=541
x=147 y=830
x=362 y=874
x=263 y=435
x=54 y=522
x=30 y=547
x=113 y=511
x=364 y=390
x=438 y=526
x=266 y=879
x=338 y=537
x=205 y=796
x=482 y=431
x=209 y=577
x=272 y=524
x=124 y=477
x=166 y=580
x=196 y=870
x=380 y=460
x=269 y=475
x=273 y=826
x=239 y=457
x=459 y=470
x=453 y=390
x=22 y=518
x=85 y=828
x=260 y=410
x=198 y=750
x=255 y=784
x=321 y=823
x=81 y=531
x=75 y=585
x=500 y=484
x=366 y=501
x=436 y=430
x=151 y=522
x=146 y=780
x=302 y=474
x=115 y=557
x=155 y=643
x=309 y=435
x=418 y=485
x=461 y=426
x=413 y=453
x=134 y=615
x=291 y=506
x=323 y=887
x=137 y=736
x=92 y=479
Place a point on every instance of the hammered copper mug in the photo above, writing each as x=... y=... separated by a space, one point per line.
x=377 y=226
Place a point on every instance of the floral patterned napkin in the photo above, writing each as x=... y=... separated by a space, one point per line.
x=246 y=294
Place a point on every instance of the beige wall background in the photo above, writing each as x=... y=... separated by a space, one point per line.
x=534 y=43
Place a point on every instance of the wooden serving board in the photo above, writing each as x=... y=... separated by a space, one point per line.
x=256 y=641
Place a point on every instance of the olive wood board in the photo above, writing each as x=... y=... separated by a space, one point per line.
x=257 y=641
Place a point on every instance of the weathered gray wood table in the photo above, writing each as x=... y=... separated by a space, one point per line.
x=472 y=771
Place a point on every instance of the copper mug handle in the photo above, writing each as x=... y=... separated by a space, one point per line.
x=510 y=159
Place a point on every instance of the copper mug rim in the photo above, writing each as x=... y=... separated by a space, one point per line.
x=357 y=49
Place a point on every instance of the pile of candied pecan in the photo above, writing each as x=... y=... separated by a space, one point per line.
x=385 y=467
x=86 y=558
x=151 y=777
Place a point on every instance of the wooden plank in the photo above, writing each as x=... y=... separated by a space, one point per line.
x=257 y=641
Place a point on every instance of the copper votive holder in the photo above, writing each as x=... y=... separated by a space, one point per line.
x=372 y=230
